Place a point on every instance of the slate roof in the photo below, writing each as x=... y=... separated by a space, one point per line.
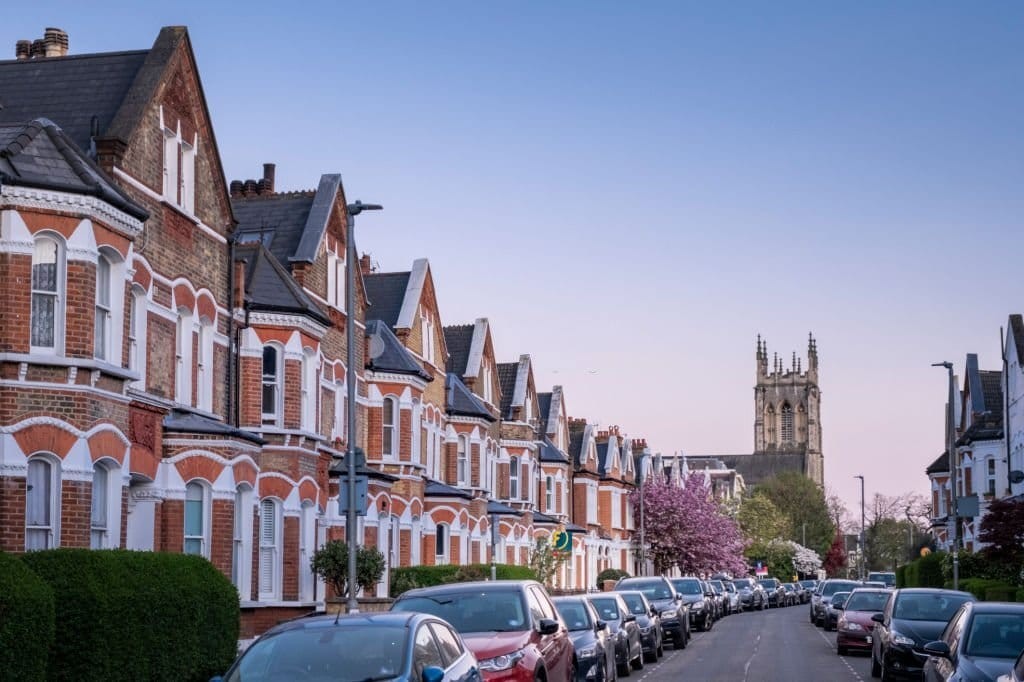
x=992 y=391
x=940 y=465
x=277 y=220
x=544 y=408
x=339 y=469
x=269 y=287
x=461 y=401
x=758 y=467
x=458 y=338
x=494 y=507
x=507 y=372
x=386 y=292
x=394 y=357
x=183 y=421
x=69 y=90
x=982 y=429
x=602 y=458
x=1017 y=326
x=39 y=154
x=550 y=453
x=576 y=443
x=437 y=489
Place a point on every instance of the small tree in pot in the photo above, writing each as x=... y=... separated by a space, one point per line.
x=330 y=563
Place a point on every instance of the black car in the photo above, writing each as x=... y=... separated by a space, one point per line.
x=625 y=633
x=702 y=611
x=776 y=593
x=835 y=609
x=662 y=595
x=823 y=596
x=980 y=642
x=752 y=597
x=808 y=589
x=912 y=618
x=1017 y=674
x=722 y=596
x=652 y=636
x=594 y=646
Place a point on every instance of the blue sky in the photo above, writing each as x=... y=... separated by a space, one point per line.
x=631 y=192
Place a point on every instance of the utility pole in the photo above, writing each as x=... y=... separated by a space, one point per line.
x=863 y=525
x=950 y=450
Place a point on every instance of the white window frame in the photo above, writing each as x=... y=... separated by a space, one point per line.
x=183 y=357
x=427 y=327
x=241 y=545
x=205 y=513
x=513 y=477
x=179 y=177
x=204 y=365
x=389 y=450
x=307 y=545
x=50 y=532
x=103 y=327
x=270 y=556
x=487 y=379
x=990 y=476
x=275 y=380
x=340 y=418
x=549 y=493
x=309 y=390
x=99 y=508
x=442 y=549
x=337 y=280
x=58 y=294
x=462 y=460
x=171 y=151
x=187 y=193
x=592 y=504
x=137 y=333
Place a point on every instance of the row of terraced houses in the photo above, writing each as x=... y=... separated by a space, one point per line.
x=172 y=359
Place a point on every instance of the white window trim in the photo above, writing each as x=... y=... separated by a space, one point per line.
x=179 y=188
x=241 y=550
x=60 y=297
x=183 y=361
x=271 y=551
x=549 y=494
x=307 y=545
x=204 y=538
x=462 y=460
x=276 y=417
x=391 y=453
x=53 y=530
x=514 y=471
x=204 y=365
x=444 y=557
x=112 y=533
x=103 y=322
x=137 y=335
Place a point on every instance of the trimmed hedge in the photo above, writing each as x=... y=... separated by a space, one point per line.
x=924 y=572
x=979 y=587
x=138 y=615
x=610 y=574
x=26 y=621
x=901 y=576
x=1001 y=593
x=410 y=577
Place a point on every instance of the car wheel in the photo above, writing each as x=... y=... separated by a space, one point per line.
x=841 y=650
x=651 y=656
x=624 y=670
x=876 y=668
x=661 y=647
x=638 y=662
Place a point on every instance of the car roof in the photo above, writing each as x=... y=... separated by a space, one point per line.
x=995 y=607
x=569 y=597
x=881 y=590
x=483 y=585
x=932 y=590
x=384 y=618
x=634 y=593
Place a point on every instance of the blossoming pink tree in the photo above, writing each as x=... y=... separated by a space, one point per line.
x=684 y=527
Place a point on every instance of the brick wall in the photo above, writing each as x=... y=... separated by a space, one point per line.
x=222 y=533
x=290 y=562
x=12 y=514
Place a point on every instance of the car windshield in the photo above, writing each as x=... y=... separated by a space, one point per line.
x=789 y=587
x=928 y=606
x=867 y=601
x=741 y=583
x=476 y=611
x=652 y=589
x=839 y=597
x=770 y=584
x=887 y=579
x=607 y=609
x=838 y=586
x=729 y=587
x=687 y=586
x=345 y=653
x=575 y=614
x=717 y=584
x=809 y=584
x=996 y=635
x=635 y=603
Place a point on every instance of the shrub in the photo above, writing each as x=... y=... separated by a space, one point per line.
x=138 y=615
x=330 y=562
x=410 y=577
x=911 y=576
x=26 y=621
x=1001 y=593
x=1019 y=596
x=610 y=574
x=980 y=586
x=901 y=576
x=929 y=570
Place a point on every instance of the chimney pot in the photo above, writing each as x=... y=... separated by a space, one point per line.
x=261 y=186
x=23 y=49
x=38 y=48
x=268 y=175
x=236 y=188
x=365 y=266
x=250 y=188
x=56 y=42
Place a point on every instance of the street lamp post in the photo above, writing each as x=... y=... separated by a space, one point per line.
x=350 y=378
x=955 y=526
x=863 y=547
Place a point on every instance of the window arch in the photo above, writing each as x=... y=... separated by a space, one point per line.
x=513 y=478
x=138 y=314
x=42 y=503
x=197 y=519
x=241 y=545
x=48 y=295
x=272 y=384
x=204 y=365
x=442 y=537
x=105 y=512
x=389 y=425
x=787 y=423
x=462 y=461
x=270 y=549
x=103 y=327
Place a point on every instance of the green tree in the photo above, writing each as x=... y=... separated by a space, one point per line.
x=330 y=562
x=761 y=521
x=545 y=561
x=888 y=542
x=803 y=503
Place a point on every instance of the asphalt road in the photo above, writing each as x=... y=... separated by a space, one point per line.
x=778 y=645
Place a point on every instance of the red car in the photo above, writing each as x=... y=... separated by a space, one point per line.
x=854 y=626
x=511 y=627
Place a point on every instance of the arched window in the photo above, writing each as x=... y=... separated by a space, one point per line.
x=241 y=545
x=183 y=358
x=204 y=366
x=787 y=423
x=102 y=333
x=47 y=317
x=389 y=420
x=98 y=523
x=196 y=519
x=138 y=314
x=513 y=478
x=770 y=424
x=441 y=538
x=270 y=549
x=307 y=545
x=42 y=504
x=462 y=461
x=272 y=372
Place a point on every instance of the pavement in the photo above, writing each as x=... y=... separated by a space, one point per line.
x=777 y=645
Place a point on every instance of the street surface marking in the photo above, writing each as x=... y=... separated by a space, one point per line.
x=746 y=668
x=832 y=646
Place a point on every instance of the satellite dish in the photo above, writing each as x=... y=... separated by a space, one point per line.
x=376 y=346
x=1016 y=476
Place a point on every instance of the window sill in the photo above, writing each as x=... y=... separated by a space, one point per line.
x=79 y=363
x=248 y=604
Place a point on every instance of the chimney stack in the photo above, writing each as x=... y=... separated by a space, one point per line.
x=250 y=188
x=365 y=266
x=236 y=188
x=56 y=42
x=268 y=177
x=22 y=49
x=38 y=49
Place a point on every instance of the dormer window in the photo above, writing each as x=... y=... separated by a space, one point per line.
x=179 y=169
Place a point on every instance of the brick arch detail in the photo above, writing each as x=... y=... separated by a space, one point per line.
x=197 y=466
x=143 y=276
x=107 y=444
x=245 y=472
x=206 y=307
x=45 y=438
x=272 y=486
x=446 y=516
x=398 y=506
x=183 y=297
x=308 y=491
x=416 y=508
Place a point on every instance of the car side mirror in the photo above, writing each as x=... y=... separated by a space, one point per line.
x=878 y=618
x=601 y=625
x=940 y=649
x=548 y=626
x=630 y=618
x=432 y=673
x=654 y=611
x=679 y=597
x=838 y=607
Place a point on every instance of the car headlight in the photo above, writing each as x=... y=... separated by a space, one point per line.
x=503 y=662
x=851 y=627
x=897 y=638
x=643 y=631
x=669 y=614
x=697 y=605
x=587 y=653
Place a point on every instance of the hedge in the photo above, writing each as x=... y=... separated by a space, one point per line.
x=610 y=574
x=901 y=576
x=410 y=577
x=138 y=615
x=26 y=621
x=979 y=587
x=1002 y=592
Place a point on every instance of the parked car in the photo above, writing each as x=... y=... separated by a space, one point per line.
x=724 y=604
x=1017 y=674
x=410 y=647
x=823 y=595
x=511 y=626
x=809 y=587
x=888 y=578
x=629 y=649
x=716 y=604
x=980 y=642
x=773 y=588
x=912 y=618
x=594 y=647
x=874 y=583
x=835 y=607
x=853 y=630
x=792 y=594
x=649 y=621
x=701 y=609
x=752 y=597
x=662 y=595
x=735 y=605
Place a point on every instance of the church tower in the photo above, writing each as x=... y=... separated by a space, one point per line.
x=787 y=409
